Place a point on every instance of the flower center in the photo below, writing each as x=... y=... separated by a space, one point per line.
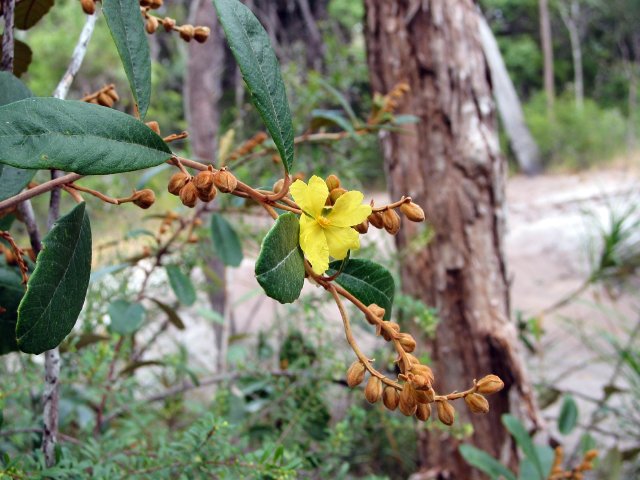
x=323 y=221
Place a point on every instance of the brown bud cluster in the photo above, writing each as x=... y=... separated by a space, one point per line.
x=177 y=181
x=106 y=96
x=189 y=194
x=204 y=183
x=576 y=473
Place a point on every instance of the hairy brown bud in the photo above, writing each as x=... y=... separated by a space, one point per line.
x=407 y=342
x=151 y=25
x=155 y=126
x=376 y=220
x=189 y=195
x=373 y=390
x=204 y=181
x=155 y=4
x=332 y=182
x=391 y=221
x=446 y=412
x=200 y=34
x=385 y=332
x=144 y=198
x=363 y=227
x=390 y=398
x=412 y=211
x=423 y=371
x=425 y=396
x=477 y=403
x=489 y=384
x=377 y=310
x=105 y=100
x=278 y=186
x=88 y=6
x=225 y=181
x=112 y=93
x=207 y=196
x=408 y=403
x=355 y=374
x=168 y=23
x=176 y=182
x=336 y=193
x=412 y=359
x=186 y=32
x=423 y=412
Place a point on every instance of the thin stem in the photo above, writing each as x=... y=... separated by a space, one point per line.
x=39 y=190
x=392 y=205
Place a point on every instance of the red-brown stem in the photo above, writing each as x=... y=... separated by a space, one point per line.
x=39 y=190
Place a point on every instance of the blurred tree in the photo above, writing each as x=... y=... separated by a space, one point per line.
x=547 y=52
x=450 y=163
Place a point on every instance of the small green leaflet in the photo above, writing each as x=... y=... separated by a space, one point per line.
x=517 y=430
x=47 y=133
x=568 y=418
x=368 y=281
x=127 y=29
x=58 y=285
x=126 y=317
x=225 y=241
x=22 y=56
x=172 y=315
x=11 y=292
x=181 y=285
x=485 y=462
x=260 y=69
x=280 y=266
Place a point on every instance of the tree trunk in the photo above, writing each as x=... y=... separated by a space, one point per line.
x=571 y=19
x=547 y=53
x=522 y=143
x=451 y=165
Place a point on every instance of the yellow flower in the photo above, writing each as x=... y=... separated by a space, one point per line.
x=326 y=231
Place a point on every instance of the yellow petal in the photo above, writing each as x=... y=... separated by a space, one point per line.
x=349 y=210
x=314 y=244
x=341 y=240
x=310 y=198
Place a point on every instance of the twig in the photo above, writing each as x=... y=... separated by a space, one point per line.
x=39 y=190
x=29 y=218
x=8 y=9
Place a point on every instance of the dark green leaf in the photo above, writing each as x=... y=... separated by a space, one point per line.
x=22 y=56
x=260 y=69
x=127 y=29
x=181 y=285
x=225 y=241
x=12 y=89
x=57 y=288
x=126 y=317
x=368 y=281
x=485 y=462
x=280 y=265
x=568 y=415
x=546 y=456
x=82 y=341
x=172 y=315
x=29 y=12
x=47 y=133
x=11 y=292
x=320 y=118
x=517 y=430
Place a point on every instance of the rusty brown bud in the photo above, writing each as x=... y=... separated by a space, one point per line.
x=423 y=371
x=385 y=331
x=155 y=126
x=446 y=412
x=168 y=23
x=489 y=384
x=151 y=25
x=355 y=374
x=363 y=227
x=407 y=342
x=88 y=6
x=193 y=238
x=413 y=360
x=423 y=412
x=373 y=390
x=336 y=193
x=207 y=196
x=391 y=221
x=200 y=34
x=112 y=93
x=408 y=403
x=189 y=195
x=144 y=198
x=186 y=32
x=204 y=181
x=477 y=403
x=376 y=310
x=425 y=396
x=376 y=220
x=176 y=182
x=155 y=4
x=105 y=100
x=390 y=398
x=412 y=211
x=332 y=182
x=225 y=181
x=278 y=186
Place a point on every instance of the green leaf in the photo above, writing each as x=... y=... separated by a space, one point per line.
x=280 y=265
x=58 y=285
x=126 y=317
x=29 y=12
x=133 y=366
x=260 y=69
x=22 y=56
x=12 y=89
x=11 y=292
x=320 y=118
x=485 y=462
x=47 y=133
x=368 y=281
x=127 y=29
x=172 y=315
x=568 y=415
x=181 y=285
x=225 y=241
x=517 y=430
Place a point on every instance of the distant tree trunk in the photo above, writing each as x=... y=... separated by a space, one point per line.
x=451 y=165
x=522 y=143
x=547 y=53
x=571 y=17
x=202 y=92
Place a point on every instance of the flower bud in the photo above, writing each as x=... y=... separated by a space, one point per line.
x=336 y=193
x=412 y=211
x=189 y=195
x=391 y=221
x=363 y=227
x=385 y=332
x=151 y=25
x=113 y=94
x=373 y=390
x=144 y=198
x=168 y=23
x=407 y=342
x=418 y=381
x=105 y=100
x=412 y=359
x=278 y=186
x=423 y=371
x=225 y=181
x=155 y=4
x=207 y=196
x=376 y=220
x=390 y=398
x=332 y=182
x=155 y=126
x=204 y=181
x=590 y=455
x=200 y=34
x=423 y=412
x=88 y=6
x=446 y=412
x=489 y=384
x=355 y=374
x=377 y=310
x=176 y=182
x=425 y=396
x=408 y=403
x=186 y=32
x=477 y=403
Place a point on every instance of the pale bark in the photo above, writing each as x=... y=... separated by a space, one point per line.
x=8 y=9
x=547 y=53
x=572 y=17
x=522 y=143
x=450 y=164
